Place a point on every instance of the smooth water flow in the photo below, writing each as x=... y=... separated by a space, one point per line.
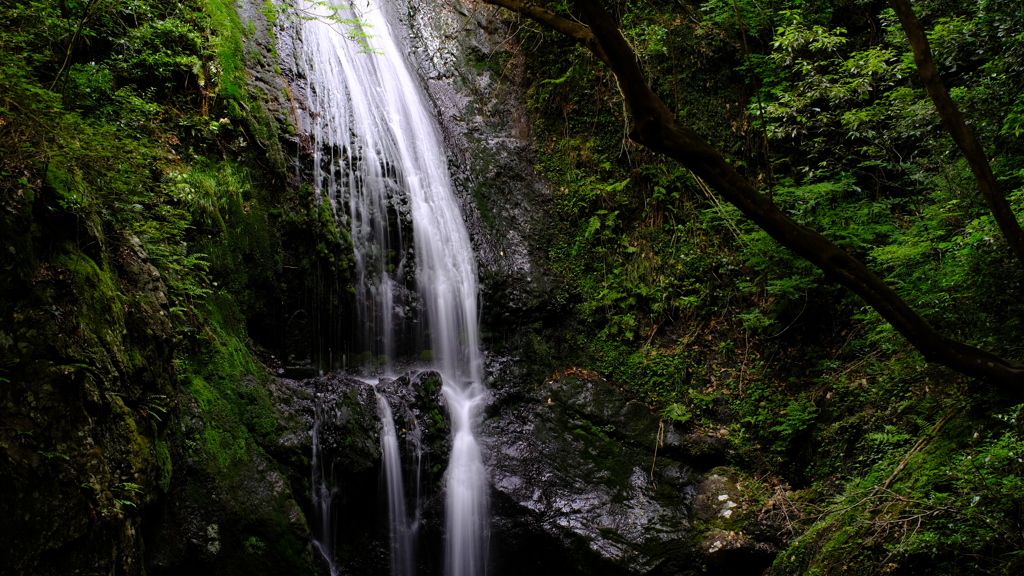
x=402 y=549
x=466 y=505
x=380 y=158
x=356 y=101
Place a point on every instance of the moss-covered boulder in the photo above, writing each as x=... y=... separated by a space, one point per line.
x=731 y=538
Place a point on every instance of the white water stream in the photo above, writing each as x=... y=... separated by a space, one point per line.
x=379 y=157
x=403 y=553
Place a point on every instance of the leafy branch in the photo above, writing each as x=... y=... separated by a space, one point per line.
x=352 y=28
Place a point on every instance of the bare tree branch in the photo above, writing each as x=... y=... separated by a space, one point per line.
x=567 y=27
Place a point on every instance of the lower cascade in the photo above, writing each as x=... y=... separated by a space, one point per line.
x=380 y=163
x=467 y=487
x=401 y=530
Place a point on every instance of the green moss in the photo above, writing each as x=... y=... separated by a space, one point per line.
x=102 y=298
x=229 y=48
x=227 y=383
x=163 y=457
x=114 y=155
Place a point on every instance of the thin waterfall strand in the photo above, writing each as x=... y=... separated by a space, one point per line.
x=323 y=496
x=402 y=549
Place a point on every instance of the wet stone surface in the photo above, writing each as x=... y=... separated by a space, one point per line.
x=573 y=459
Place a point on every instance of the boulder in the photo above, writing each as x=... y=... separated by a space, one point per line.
x=573 y=460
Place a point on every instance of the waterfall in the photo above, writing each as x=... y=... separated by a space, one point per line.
x=357 y=98
x=380 y=159
x=402 y=549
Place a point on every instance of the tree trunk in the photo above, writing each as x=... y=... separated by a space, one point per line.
x=654 y=126
x=958 y=129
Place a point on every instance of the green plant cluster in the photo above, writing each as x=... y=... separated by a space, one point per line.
x=106 y=108
x=143 y=194
x=138 y=117
x=947 y=505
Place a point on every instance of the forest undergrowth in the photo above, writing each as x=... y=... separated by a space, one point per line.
x=883 y=463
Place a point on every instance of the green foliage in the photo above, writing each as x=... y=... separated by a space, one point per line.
x=674 y=295
x=154 y=406
x=821 y=90
x=980 y=507
x=127 y=491
x=355 y=29
x=728 y=15
x=159 y=51
x=109 y=112
x=677 y=412
x=953 y=509
x=663 y=376
x=796 y=418
x=255 y=546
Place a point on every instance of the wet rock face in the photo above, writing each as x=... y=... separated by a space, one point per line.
x=576 y=485
x=345 y=411
x=572 y=459
x=570 y=465
x=474 y=74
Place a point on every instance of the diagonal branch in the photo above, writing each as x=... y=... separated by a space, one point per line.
x=958 y=129
x=655 y=127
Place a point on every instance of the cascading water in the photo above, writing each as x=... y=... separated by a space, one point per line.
x=386 y=162
x=402 y=549
x=354 y=163
x=467 y=506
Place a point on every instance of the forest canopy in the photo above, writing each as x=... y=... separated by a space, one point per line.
x=654 y=125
